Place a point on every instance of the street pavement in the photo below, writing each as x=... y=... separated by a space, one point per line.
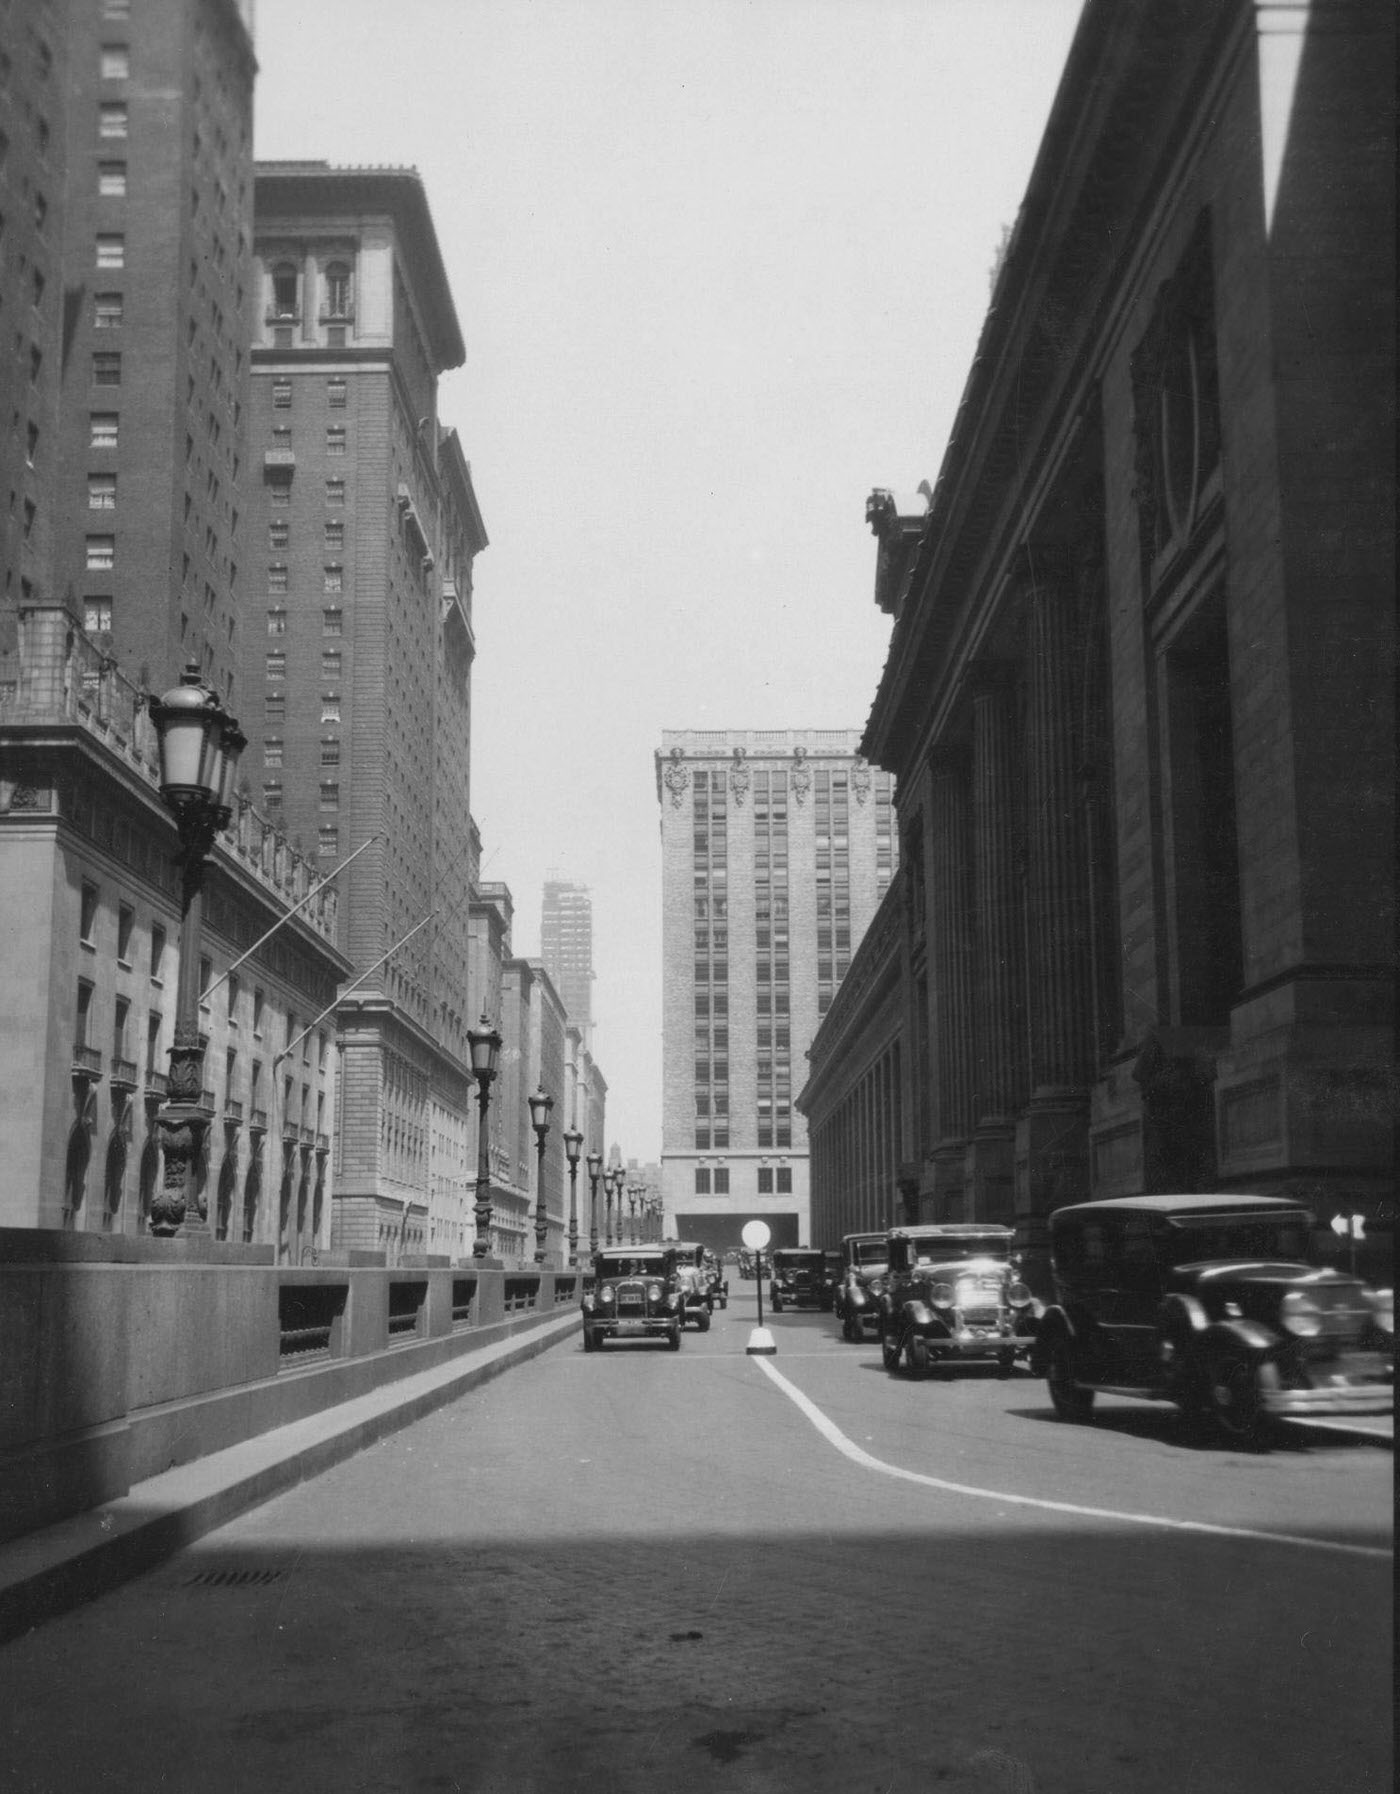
x=706 y=1570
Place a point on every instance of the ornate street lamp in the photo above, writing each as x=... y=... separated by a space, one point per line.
x=595 y=1166
x=540 y=1106
x=485 y=1046
x=613 y=1184
x=573 y=1146
x=633 y=1192
x=199 y=748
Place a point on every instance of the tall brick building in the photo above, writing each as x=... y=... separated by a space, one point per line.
x=1139 y=696
x=363 y=527
x=777 y=847
x=128 y=203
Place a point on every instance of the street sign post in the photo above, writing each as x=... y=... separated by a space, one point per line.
x=756 y=1235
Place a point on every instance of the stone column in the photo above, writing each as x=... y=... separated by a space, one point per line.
x=1052 y=1143
x=951 y=925
x=998 y=985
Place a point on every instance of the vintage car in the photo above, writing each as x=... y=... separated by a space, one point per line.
x=694 y=1281
x=719 y=1282
x=634 y=1295
x=953 y=1292
x=798 y=1278
x=1210 y=1302
x=864 y=1267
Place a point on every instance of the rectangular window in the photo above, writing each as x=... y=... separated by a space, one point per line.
x=335 y=440
x=126 y=922
x=258 y=1001
x=102 y=430
x=157 y=952
x=330 y=706
x=111 y=119
x=277 y=578
x=115 y=62
x=275 y=707
x=328 y=840
x=335 y=492
x=785 y=1180
x=272 y=753
x=277 y=622
x=111 y=180
x=152 y=1041
x=272 y=795
x=107 y=369
x=84 y=1016
x=281 y=394
x=330 y=796
x=335 y=393
x=97 y=616
x=334 y=580
x=332 y=621
x=111 y=251
x=102 y=492
x=107 y=311
x=101 y=553
x=206 y=974
x=330 y=664
x=330 y=750
x=702 y=1181
x=765 y=1180
x=277 y=663
x=335 y=536
x=722 y=1181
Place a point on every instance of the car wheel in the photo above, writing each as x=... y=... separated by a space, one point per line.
x=1006 y=1363
x=1235 y=1398
x=775 y=1305
x=916 y=1354
x=704 y=1319
x=1069 y=1400
x=673 y=1339
x=850 y=1330
x=590 y=1342
x=889 y=1350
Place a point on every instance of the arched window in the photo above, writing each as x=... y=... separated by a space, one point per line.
x=284 y=290
x=338 y=292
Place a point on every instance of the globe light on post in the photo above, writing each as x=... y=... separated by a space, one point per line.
x=484 y=1044
x=756 y=1235
x=595 y=1168
x=540 y=1106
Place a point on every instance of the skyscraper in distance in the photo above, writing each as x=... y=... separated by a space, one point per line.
x=777 y=847
x=566 y=946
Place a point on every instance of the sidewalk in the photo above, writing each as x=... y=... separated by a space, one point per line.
x=45 y=1573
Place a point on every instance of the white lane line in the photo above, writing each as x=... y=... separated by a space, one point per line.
x=834 y=1436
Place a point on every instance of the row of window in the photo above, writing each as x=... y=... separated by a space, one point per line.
x=772 y=1180
x=332 y=621
x=337 y=393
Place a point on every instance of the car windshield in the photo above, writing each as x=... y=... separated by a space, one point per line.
x=869 y=1252
x=1197 y=1238
x=797 y=1261
x=630 y=1267
x=957 y=1248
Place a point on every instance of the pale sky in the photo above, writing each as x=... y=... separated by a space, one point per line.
x=720 y=266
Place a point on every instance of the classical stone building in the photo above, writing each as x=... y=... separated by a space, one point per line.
x=1139 y=694
x=363 y=529
x=90 y=964
x=777 y=847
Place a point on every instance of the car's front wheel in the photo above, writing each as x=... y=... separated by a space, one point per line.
x=889 y=1349
x=850 y=1330
x=916 y=1353
x=703 y=1320
x=775 y=1303
x=673 y=1338
x=1235 y=1397
x=1070 y=1402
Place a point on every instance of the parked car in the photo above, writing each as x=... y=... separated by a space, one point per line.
x=798 y=1278
x=953 y=1292
x=864 y=1267
x=1211 y=1302
x=694 y=1281
x=719 y=1282
x=635 y=1295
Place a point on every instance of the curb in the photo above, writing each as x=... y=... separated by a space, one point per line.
x=49 y=1572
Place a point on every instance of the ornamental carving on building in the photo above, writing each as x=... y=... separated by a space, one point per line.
x=801 y=775
x=677 y=778
x=860 y=778
x=739 y=777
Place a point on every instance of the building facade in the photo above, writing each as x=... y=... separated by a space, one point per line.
x=1139 y=696
x=566 y=947
x=88 y=859
x=777 y=848
x=363 y=530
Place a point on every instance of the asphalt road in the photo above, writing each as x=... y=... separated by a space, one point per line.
x=640 y=1570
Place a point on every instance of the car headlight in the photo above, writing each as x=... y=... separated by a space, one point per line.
x=1301 y=1315
x=941 y=1295
x=653 y=1292
x=1018 y=1295
x=606 y=1293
